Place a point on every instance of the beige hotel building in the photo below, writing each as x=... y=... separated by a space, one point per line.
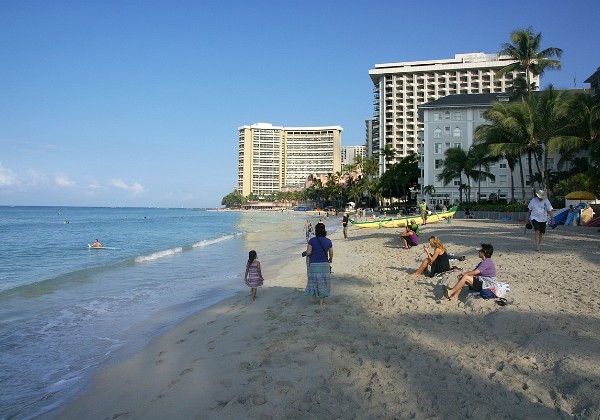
x=271 y=158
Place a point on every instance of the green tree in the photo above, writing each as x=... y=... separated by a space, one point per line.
x=455 y=165
x=524 y=48
x=388 y=155
x=233 y=199
x=480 y=160
x=428 y=190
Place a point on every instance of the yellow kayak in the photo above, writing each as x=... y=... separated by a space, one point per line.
x=402 y=221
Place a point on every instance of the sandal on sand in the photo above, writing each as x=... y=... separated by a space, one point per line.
x=501 y=302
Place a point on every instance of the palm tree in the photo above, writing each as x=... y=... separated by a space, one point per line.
x=455 y=165
x=583 y=123
x=525 y=50
x=428 y=190
x=388 y=155
x=480 y=158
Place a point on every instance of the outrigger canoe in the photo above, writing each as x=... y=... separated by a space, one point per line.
x=376 y=223
x=402 y=221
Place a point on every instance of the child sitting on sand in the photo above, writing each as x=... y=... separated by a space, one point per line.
x=485 y=270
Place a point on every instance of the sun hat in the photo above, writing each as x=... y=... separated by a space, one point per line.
x=540 y=194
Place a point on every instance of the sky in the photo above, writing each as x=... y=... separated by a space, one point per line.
x=138 y=102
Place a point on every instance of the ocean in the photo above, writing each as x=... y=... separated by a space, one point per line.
x=67 y=311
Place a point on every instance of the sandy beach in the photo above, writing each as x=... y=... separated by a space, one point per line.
x=385 y=346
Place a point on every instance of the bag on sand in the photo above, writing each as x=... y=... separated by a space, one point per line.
x=496 y=288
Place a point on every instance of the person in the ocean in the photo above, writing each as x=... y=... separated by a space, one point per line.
x=96 y=244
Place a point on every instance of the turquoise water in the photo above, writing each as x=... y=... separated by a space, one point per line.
x=67 y=311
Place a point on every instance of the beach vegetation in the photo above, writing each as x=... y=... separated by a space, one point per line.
x=535 y=124
x=234 y=199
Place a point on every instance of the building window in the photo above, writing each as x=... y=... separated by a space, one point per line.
x=481 y=114
x=457 y=182
x=503 y=181
x=437 y=148
x=458 y=145
x=437 y=133
x=447 y=115
x=446 y=131
x=492 y=181
x=437 y=116
x=439 y=164
x=456 y=132
x=503 y=165
x=456 y=115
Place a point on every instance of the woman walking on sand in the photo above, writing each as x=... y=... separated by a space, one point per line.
x=320 y=252
x=253 y=276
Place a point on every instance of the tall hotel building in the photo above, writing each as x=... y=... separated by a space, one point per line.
x=271 y=158
x=350 y=153
x=399 y=89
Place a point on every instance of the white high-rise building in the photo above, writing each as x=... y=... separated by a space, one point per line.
x=349 y=154
x=271 y=158
x=399 y=89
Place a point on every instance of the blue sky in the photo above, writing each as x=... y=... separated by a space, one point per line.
x=137 y=103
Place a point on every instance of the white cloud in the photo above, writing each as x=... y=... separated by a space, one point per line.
x=63 y=181
x=135 y=188
x=7 y=177
x=36 y=178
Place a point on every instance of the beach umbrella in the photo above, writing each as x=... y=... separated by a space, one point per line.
x=580 y=195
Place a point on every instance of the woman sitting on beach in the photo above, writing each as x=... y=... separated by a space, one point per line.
x=409 y=237
x=485 y=270
x=438 y=259
x=320 y=253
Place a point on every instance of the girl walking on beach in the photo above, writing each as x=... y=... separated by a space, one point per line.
x=320 y=252
x=253 y=276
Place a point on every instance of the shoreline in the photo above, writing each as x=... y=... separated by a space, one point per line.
x=385 y=345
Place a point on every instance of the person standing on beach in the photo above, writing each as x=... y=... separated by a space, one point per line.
x=540 y=210
x=423 y=209
x=320 y=252
x=345 y=225
x=308 y=230
x=253 y=276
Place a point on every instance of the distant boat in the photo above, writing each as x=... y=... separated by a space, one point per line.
x=402 y=221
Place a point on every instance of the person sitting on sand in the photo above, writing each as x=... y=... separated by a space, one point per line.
x=409 y=237
x=438 y=259
x=414 y=226
x=485 y=270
